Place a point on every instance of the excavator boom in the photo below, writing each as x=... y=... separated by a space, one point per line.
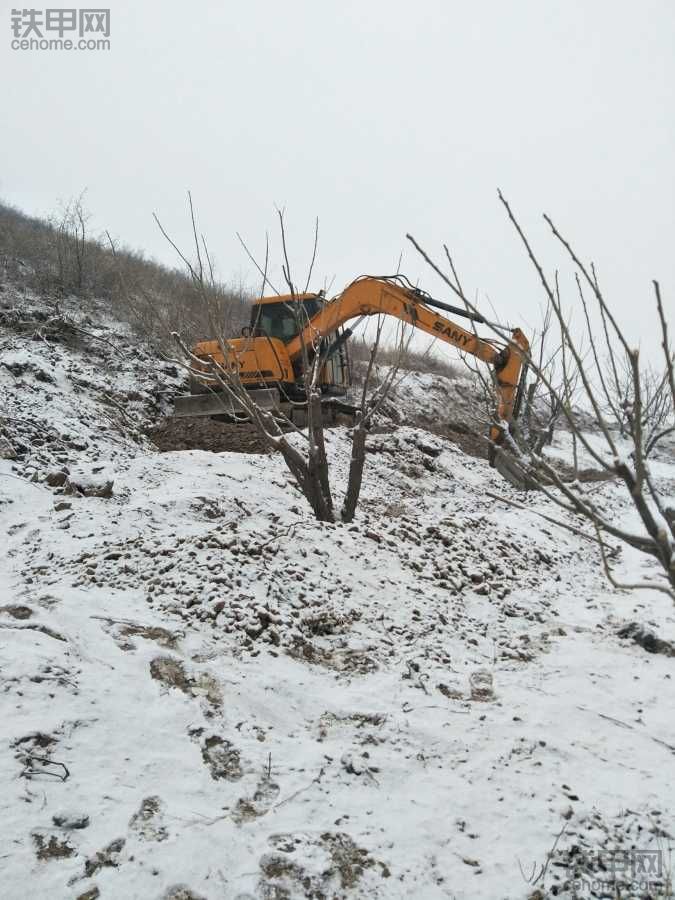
x=272 y=354
x=379 y=296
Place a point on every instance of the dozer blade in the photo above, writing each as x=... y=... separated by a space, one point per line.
x=221 y=404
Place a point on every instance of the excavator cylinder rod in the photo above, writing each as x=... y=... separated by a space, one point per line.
x=457 y=310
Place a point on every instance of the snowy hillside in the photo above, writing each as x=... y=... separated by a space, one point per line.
x=208 y=694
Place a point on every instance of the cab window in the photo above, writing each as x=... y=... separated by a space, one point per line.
x=277 y=319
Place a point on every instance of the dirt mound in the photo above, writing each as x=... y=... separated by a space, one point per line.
x=202 y=433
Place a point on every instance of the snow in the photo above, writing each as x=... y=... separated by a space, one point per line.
x=253 y=704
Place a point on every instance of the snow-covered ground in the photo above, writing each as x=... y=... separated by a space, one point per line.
x=207 y=694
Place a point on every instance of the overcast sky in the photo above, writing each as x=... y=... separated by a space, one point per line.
x=379 y=117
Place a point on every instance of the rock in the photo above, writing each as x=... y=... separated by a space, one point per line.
x=92 y=894
x=43 y=375
x=7 y=451
x=352 y=765
x=89 y=484
x=647 y=639
x=17 y=611
x=481 y=684
x=181 y=892
x=62 y=505
x=70 y=819
x=450 y=692
x=57 y=477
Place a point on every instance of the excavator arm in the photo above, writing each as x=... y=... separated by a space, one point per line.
x=370 y=296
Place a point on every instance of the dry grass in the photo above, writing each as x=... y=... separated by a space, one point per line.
x=407 y=359
x=58 y=257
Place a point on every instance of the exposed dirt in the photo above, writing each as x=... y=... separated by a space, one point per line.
x=171 y=672
x=16 y=611
x=342 y=660
x=106 y=858
x=37 y=741
x=471 y=442
x=156 y=633
x=52 y=848
x=181 y=892
x=264 y=797
x=147 y=822
x=203 y=433
x=222 y=758
x=338 y=866
x=330 y=723
x=91 y=894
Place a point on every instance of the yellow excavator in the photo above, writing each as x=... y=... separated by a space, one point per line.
x=287 y=331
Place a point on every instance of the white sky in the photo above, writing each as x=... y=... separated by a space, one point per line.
x=378 y=116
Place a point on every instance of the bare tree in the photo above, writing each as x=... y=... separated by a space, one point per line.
x=656 y=405
x=632 y=415
x=157 y=306
x=540 y=408
x=71 y=245
x=306 y=456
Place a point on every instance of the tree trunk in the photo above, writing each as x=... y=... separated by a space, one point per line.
x=355 y=471
x=317 y=457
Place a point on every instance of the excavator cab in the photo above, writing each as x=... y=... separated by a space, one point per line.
x=282 y=318
x=285 y=316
